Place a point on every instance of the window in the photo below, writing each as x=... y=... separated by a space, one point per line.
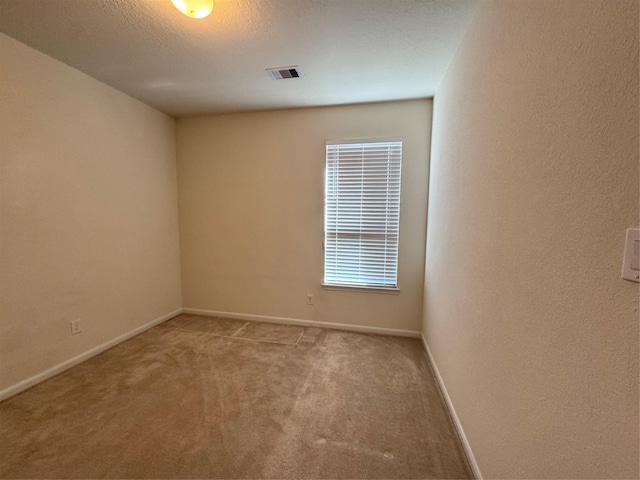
x=362 y=213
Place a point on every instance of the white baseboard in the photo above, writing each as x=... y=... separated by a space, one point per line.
x=61 y=367
x=305 y=323
x=454 y=416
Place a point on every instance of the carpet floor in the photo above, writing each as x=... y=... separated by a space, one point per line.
x=201 y=397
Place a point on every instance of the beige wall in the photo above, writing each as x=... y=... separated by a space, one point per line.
x=534 y=180
x=88 y=226
x=251 y=212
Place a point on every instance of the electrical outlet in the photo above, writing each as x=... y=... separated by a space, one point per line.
x=309 y=299
x=75 y=327
x=631 y=262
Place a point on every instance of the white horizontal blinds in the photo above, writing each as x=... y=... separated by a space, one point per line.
x=362 y=213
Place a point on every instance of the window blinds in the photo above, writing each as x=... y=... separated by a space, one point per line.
x=362 y=213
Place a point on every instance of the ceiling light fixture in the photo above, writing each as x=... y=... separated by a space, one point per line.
x=194 y=8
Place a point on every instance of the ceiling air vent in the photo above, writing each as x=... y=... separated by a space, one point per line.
x=282 y=73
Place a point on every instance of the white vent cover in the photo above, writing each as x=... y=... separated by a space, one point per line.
x=282 y=73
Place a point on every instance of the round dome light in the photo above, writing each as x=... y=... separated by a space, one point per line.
x=194 y=8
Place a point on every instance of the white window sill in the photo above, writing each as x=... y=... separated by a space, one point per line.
x=355 y=288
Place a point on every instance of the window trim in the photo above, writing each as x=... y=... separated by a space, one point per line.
x=361 y=289
x=388 y=290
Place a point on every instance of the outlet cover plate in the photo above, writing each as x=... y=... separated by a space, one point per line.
x=75 y=327
x=631 y=262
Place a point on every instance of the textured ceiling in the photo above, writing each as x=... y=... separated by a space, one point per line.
x=348 y=51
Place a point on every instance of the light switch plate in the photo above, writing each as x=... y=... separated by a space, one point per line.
x=631 y=262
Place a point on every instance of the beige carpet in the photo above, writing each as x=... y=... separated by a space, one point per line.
x=199 y=397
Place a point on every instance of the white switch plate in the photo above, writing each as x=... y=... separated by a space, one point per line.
x=631 y=262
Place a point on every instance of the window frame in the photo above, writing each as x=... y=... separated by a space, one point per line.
x=384 y=289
